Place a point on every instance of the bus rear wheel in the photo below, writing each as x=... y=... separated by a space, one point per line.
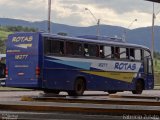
x=139 y=87
x=79 y=88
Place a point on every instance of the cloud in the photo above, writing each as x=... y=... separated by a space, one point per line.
x=23 y=9
x=122 y=6
x=112 y=12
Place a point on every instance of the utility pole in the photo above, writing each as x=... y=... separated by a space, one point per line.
x=49 y=16
x=97 y=20
x=98 y=27
x=125 y=31
x=153 y=19
x=154 y=15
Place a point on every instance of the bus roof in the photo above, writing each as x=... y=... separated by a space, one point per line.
x=116 y=41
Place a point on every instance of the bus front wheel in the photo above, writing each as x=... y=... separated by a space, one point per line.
x=79 y=88
x=139 y=87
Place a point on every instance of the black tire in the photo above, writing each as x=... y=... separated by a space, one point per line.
x=112 y=92
x=51 y=91
x=79 y=88
x=139 y=87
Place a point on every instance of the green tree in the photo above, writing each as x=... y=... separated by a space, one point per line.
x=2 y=46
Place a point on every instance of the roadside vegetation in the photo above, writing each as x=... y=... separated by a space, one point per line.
x=157 y=68
x=6 y=30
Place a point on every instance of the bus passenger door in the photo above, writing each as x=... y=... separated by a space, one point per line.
x=149 y=75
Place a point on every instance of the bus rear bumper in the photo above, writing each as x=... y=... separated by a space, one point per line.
x=25 y=84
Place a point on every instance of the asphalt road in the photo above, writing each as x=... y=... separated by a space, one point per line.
x=14 y=96
x=19 y=115
x=10 y=115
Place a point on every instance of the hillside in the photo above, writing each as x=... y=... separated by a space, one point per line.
x=139 y=36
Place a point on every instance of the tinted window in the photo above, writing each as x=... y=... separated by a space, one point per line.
x=57 y=47
x=132 y=54
x=53 y=47
x=101 y=52
x=47 y=46
x=112 y=52
x=74 y=48
x=117 y=53
x=91 y=50
x=127 y=53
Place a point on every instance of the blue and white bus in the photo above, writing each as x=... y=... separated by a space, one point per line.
x=54 y=63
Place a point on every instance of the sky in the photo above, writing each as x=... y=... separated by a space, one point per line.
x=72 y=12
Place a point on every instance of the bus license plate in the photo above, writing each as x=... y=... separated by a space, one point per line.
x=20 y=74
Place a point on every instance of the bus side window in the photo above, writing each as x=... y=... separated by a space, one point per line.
x=74 y=48
x=69 y=46
x=91 y=50
x=123 y=53
x=47 y=46
x=78 y=49
x=112 y=52
x=101 y=51
x=138 y=55
x=53 y=46
x=117 y=53
x=132 y=54
x=57 y=47
x=127 y=53
x=107 y=52
x=86 y=53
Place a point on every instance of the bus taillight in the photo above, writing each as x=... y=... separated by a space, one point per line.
x=37 y=71
x=6 y=72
